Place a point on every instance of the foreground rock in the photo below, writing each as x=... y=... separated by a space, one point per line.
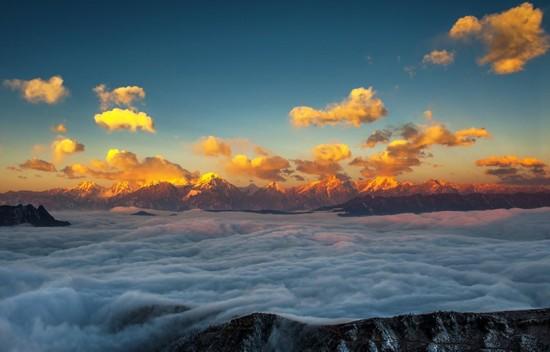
x=527 y=331
x=21 y=214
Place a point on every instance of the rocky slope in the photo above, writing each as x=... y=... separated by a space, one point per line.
x=21 y=214
x=522 y=331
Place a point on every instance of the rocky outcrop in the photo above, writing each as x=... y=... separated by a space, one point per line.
x=21 y=214
x=522 y=331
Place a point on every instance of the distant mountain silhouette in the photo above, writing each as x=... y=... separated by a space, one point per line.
x=211 y=192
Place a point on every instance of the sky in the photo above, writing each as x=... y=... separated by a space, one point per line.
x=273 y=91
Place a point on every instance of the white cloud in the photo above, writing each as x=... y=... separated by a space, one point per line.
x=63 y=289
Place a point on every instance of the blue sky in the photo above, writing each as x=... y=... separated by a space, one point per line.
x=236 y=69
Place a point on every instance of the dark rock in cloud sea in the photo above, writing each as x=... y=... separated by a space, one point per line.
x=28 y=214
x=143 y=213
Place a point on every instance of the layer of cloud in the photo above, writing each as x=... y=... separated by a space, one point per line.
x=122 y=165
x=361 y=106
x=38 y=90
x=59 y=128
x=213 y=146
x=39 y=165
x=326 y=158
x=273 y=168
x=439 y=57
x=125 y=119
x=73 y=288
x=512 y=37
x=514 y=170
x=62 y=147
x=121 y=96
x=402 y=154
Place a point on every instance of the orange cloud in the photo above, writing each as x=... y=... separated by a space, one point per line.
x=123 y=165
x=125 y=119
x=38 y=90
x=439 y=57
x=264 y=167
x=331 y=152
x=39 y=165
x=514 y=170
x=121 y=96
x=401 y=155
x=59 y=128
x=62 y=147
x=511 y=38
x=361 y=106
x=326 y=160
x=377 y=137
x=213 y=146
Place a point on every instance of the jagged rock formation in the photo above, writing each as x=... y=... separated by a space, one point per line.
x=211 y=192
x=522 y=331
x=21 y=214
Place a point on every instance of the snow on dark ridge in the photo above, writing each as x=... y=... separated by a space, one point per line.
x=123 y=283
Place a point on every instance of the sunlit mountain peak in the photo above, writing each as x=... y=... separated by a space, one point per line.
x=380 y=183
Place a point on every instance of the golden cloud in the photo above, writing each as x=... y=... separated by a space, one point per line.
x=121 y=96
x=514 y=170
x=401 y=155
x=511 y=38
x=65 y=146
x=331 y=152
x=38 y=164
x=121 y=165
x=213 y=146
x=59 y=128
x=377 y=137
x=361 y=106
x=125 y=119
x=439 y=57
x=264 y=167
x=38 y=90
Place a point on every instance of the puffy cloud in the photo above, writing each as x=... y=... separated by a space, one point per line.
x=514 y=170
x=59 y=128
x=38 y=164
x=326 y=160
x=511 y=38
x=401 y=155
x=439 y=57
x=361 y=106
x=122 y=165
x=378 y=136
x=213 y=146
x=264 y=167
x=125 y=119
x=331 y=152
x=65 y=146
x=121 y=96
x=38 y=90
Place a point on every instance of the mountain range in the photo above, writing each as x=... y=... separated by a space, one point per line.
x=211 y=192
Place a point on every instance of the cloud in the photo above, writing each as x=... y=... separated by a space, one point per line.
x=378 y=136
x=213 y=146
x=331 y=152
x=38 y=164
x=326 y=158
x=121 y=96
x=59 y=128
x=511 y=38
x=361 y=106
x=401 y=155
x=125 y=119
x=439 y=57
x=62 y=147
x=38 y=90
x=514 y=170
x=73 y=288
x=122 y=165
x=428 y=115
x=270 y=168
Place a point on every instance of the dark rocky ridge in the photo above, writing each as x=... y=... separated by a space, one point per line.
x=525 y=331
x=21 y=214
x=423 y=203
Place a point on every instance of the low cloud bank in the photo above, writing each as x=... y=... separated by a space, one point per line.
x=80 y=287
